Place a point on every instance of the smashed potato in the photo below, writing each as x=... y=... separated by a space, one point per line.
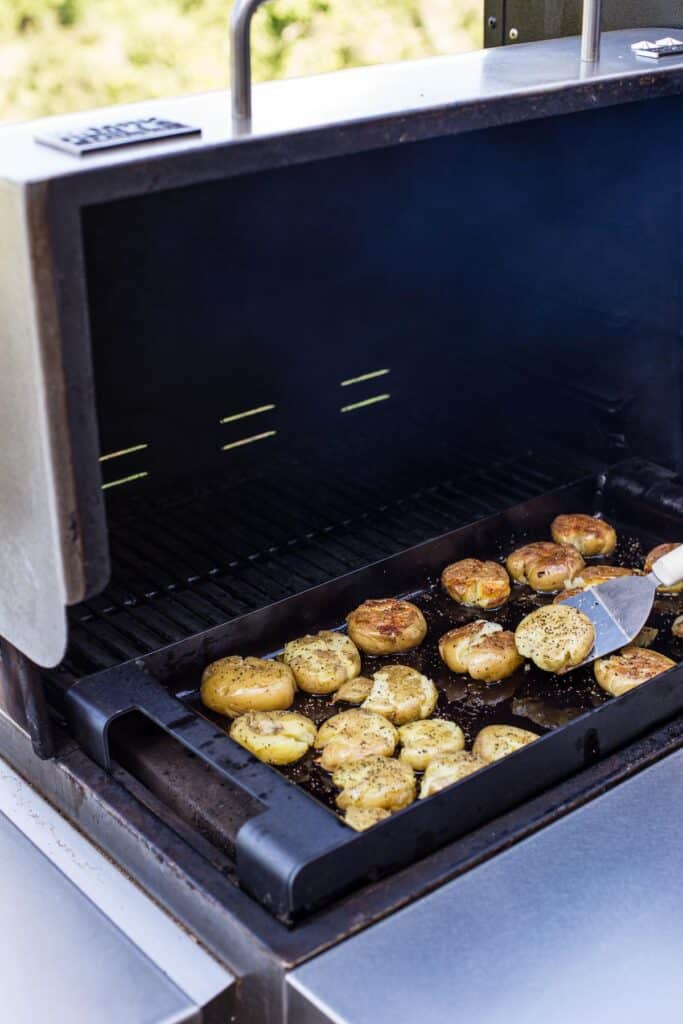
x=352 y=735
x=234 y=685
x=556 y=637
x=360 y=818
x=594 y=576
x=482 y=649
x=496 y=741
x=375 y=782
x=476 y=583
x=588 y=534
x=446 y=769
x=276 y=737
x=322 y=663
x=401 y=694
x=544 y=566
x=422 y=741
x=353 y=692
x=631 y=667
x=386 y=626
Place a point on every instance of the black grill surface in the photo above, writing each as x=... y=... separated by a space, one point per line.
x=184 y=562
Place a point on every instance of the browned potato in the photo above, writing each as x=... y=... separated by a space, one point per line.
x=401 y=694
x=544 y=566
x=234 y=685
x=386 y=626
x=375 y=782
x=446 y=769
x=422 y=741
x=353 y=735
x=476 y=583
x=677 y=627
x=276 y=737
x=631 y=667
x=496 y=741
x=588 y=534
x=482 y=649
x=659 y=552
x=593 y=576
x=322 y=663
x=564 y=595
x=556 y=637
x=360 y=818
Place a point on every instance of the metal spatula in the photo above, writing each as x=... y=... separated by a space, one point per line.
x=620 y=608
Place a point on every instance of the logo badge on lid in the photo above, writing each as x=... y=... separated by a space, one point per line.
x=93 y=138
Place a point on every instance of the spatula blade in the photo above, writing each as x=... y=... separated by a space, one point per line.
x=618 y=610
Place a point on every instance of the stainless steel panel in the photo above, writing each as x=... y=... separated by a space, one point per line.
x=52 y=543
x=582 y=921
x=63 y=960
x=153 y=932
x=34 y=589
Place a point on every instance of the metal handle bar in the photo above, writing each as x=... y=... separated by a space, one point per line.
x=240 y=45
x=590 y=30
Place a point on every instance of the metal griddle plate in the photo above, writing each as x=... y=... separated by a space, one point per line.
x=297 y=854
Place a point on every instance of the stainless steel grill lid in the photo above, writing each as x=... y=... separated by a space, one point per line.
x=53 y=543
x=33 y=585
x=53 y=549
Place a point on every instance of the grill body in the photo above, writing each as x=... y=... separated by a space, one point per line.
x=253 y=366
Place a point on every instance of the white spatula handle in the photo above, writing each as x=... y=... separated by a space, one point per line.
x=669 y=568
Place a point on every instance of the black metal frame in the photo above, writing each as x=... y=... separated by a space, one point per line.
x=292 y=870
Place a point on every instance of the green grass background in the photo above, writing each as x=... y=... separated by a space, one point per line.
x=62 y=55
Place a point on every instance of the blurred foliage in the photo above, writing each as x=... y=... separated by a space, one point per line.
x=60 y=55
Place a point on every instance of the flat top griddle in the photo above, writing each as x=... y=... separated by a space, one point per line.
x=294 y=854
x=529 y=698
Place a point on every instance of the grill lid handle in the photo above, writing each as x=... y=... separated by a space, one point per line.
x=590 y=31
x=240 y=46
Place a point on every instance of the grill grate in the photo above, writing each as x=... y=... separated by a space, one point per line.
x=185 y=563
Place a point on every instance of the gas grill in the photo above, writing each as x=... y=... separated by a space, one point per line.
x=254 y=376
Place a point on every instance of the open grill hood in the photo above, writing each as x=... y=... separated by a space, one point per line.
x=529 y=185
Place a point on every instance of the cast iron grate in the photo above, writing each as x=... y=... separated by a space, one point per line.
x=182 y=565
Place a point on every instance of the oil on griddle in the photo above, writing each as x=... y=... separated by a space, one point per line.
x=529 y=698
